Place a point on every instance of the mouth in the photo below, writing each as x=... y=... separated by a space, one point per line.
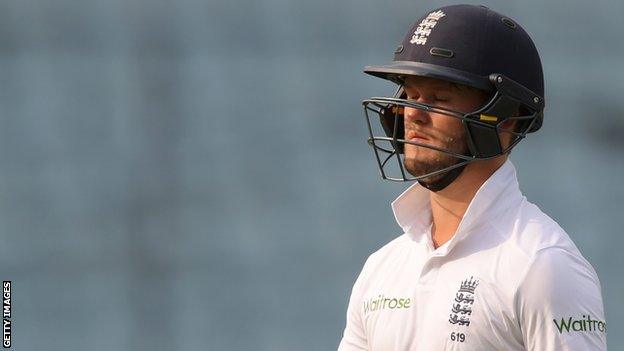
x=413 y=136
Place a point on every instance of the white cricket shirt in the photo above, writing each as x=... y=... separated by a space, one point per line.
x=509 y=279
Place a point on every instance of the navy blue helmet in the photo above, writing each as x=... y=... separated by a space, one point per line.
x=471 y=46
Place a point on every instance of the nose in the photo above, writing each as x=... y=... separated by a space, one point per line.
x=414 y=115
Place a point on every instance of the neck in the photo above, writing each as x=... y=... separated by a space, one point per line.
x=449 y=205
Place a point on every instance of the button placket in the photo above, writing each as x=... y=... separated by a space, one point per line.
x=429 y=272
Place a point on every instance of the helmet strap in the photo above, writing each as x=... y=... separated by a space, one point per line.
x=445 y=181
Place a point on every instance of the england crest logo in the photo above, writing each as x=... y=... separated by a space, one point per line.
x=462 y=304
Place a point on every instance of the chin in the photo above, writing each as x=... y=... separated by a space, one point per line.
x=420 y=154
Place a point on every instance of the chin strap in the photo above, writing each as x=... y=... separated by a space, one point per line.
x=443 y=182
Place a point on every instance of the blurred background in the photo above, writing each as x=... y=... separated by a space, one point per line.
x=193 y=175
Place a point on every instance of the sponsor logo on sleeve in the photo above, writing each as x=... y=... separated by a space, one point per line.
x=584 y=324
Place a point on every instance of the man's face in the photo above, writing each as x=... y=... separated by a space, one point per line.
x=442 y=131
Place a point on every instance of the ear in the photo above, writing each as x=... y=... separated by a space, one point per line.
x=505 y=137
x=511 y=124
x=508 y=124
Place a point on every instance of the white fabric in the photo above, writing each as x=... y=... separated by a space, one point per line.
x=509 y=279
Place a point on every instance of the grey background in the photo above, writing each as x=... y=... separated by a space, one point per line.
x=194 y=175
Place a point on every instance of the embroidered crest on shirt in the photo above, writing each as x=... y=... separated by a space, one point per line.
x=425 y=27
x=462 y=304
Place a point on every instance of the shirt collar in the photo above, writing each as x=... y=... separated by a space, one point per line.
x=412 y=208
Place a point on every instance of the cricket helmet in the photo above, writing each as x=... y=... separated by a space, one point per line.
x=471 y=46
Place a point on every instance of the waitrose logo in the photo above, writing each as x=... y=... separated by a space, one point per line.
x=381 y=302
x=585 y=324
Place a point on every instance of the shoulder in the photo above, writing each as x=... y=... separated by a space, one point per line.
x=558 y=297
x=544 y=250
x=379 y=259
x=390 y=249
x=557 y=272
x=547 y=248
x=533 y=231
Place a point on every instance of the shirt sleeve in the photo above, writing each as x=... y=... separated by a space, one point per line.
x=559 y=303
x=354 y=336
